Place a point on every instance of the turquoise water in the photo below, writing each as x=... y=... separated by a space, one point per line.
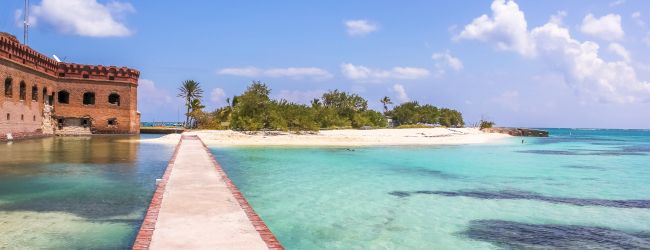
x=575 y=189
x=76 y=192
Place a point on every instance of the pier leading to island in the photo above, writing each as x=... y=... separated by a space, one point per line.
x=196 y=206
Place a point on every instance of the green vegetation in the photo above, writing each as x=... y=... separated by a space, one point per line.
x=191 y=91
x=486 y=124
x=254 y=110
x=413 y=113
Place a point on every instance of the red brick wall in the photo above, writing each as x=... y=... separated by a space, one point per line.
x=21 y=63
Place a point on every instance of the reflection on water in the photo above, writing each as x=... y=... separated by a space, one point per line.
x=76 y=192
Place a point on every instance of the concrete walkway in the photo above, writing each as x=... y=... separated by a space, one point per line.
x=200 y=208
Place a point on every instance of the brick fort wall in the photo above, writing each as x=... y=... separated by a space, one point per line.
x=30 y=82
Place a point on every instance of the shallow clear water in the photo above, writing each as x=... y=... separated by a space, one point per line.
x=575 y=189
x=76 y=192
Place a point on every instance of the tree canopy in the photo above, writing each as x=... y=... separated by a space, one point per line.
x=254 y=110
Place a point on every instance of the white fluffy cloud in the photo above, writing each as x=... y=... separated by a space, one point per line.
x=299 y=96
x=636 y=16
x=217 y=96
x=509 y=99
x=444 y=61
x=291 y=72
x=360 y=27
x=401 y=93
x=507 y=28
x=147 y=89
x=83 y=17
x=151 y=98
x=607 y=27
x=364 y=74
x=616 y=3
x=620 y=51
x=593 y=78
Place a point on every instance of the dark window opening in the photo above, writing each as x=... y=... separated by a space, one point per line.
x=85 y=76
x=8 y=87
x=8 y=116
x=111 y=78
x=22 y=117
x=23 y=91
x=63 y=97
x=112 y=122
x=114 y=99
x=45 y=99
x=61 y=74
x=34 y=93
x=34 y=118
x=85 y=123
x=89 y=98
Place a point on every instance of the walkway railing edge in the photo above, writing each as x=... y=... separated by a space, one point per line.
x=267 y=236
x=143 y=238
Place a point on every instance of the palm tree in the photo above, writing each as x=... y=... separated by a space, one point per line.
x=386 y=101
x=196 y=112
x=189 y=90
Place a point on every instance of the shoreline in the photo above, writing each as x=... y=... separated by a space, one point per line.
x=340 y=138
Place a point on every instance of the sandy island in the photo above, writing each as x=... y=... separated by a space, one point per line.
x=347 y=137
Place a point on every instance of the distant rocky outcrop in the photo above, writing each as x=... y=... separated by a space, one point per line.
x=517 y=132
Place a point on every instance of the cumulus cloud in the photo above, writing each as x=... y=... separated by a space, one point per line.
x=401 y=93
x=616 y=3
x=217 y=96
x=636 y=16
x=151 y=98
x=291 y=72
x=506 y=28
x=620 y=51
x=360 y=27
x=444 y=61
x=82 y=17
x=364 y=74
x=150 y=93
x=299 y=96
x=593 y=78
x=607 y=27
x=19 y=19
x=509 y=99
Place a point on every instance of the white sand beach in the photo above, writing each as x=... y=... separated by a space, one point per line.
x=347 y=137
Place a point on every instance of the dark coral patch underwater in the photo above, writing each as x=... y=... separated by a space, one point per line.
x=515 y=235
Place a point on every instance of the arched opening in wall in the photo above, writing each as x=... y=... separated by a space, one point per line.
x=89 y=98
x=114 y=99
x=34 y=93
x=8 y=87
x=63 y=97
x=112 y=122
x=23 y=90
x=85 y=122
x=45 y=99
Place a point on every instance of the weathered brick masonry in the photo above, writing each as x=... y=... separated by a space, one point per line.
x=41 y=96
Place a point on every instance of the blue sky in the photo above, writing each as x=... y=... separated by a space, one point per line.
x=520 y=63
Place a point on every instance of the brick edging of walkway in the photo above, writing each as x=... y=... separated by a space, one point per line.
x=143 y=239
x=266 y=234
